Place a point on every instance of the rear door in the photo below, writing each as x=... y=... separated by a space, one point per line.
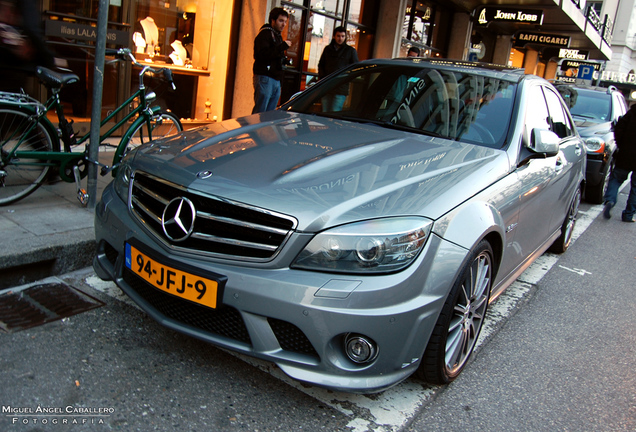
x=568 y=163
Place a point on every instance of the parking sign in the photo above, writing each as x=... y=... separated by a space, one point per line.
x=586 y=72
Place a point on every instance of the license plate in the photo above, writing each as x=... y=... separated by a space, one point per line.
x=171 y=280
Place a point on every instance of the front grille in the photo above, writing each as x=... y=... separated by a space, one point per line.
x=224 y=321
x=291 y=338
x=221 y=228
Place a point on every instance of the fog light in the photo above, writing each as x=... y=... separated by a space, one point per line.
x=360 y=349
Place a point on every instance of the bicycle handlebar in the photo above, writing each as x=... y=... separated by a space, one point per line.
x=126 y=54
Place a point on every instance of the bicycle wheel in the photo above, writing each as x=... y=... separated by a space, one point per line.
x=18 y=176
x=163 y=124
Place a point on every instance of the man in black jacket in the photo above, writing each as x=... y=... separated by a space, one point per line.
x=334 y=57
x=269 y=56
x=624 y=163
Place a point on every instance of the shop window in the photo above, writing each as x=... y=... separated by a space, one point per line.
x=294 y=33
x=426 y=26
x=331 y=7
x=68 y=33
x=417 y=23
x=310 y=28
x=321 y=33
x=516 y=58
x=164 y=32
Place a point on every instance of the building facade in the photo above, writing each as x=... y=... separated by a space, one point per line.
x=209 y=43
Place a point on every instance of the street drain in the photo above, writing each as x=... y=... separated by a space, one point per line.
x=43 y=303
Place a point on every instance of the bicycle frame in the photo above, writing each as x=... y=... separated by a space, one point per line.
x=66 y=159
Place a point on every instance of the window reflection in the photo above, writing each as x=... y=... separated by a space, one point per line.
x=332 y=7
x=293 y=32
x=321 y=31
x=355 y=11
x=451 y=104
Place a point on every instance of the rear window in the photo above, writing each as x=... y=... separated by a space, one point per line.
x=587 y=104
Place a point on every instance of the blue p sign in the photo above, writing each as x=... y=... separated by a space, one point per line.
x=586 y=72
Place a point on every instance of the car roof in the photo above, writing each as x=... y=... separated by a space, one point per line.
x=487 y=69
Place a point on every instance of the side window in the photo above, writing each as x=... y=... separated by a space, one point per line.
x=537 y=113
x=560 y=121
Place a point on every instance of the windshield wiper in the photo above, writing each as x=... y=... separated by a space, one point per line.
x=584 y=116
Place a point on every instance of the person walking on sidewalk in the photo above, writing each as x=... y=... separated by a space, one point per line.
x=624 y=163
x=269 y=57
x=335 y=56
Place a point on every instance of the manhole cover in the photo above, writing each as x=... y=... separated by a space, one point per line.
x=43 y=303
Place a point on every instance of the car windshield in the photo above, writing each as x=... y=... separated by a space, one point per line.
x=587 y=104
x=459 y=105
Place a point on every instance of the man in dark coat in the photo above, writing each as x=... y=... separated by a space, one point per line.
x=269 y=56
x=334 y=57
x=624 y=163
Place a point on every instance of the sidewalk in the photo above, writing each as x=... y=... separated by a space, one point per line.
x=49 y=232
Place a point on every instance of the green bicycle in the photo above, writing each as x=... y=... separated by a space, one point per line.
x=30 y=143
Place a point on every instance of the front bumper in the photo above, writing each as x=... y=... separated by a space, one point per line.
x=296 y=319
x=595 y=171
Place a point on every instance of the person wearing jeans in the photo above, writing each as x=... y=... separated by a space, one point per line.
x=625 y=162
x=266 y=93
x=269 y=57
x=334 y=57
x=617 y=178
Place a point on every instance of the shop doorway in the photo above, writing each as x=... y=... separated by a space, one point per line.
x=310 y=28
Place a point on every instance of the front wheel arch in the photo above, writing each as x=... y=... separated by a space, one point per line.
x=461 y=319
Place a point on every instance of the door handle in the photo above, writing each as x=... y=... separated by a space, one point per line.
x=577 y=150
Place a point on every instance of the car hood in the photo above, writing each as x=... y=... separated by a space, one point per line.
x=588 y=127
x=322 y=171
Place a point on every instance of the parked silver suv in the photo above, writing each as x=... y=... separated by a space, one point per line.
x=595 y=111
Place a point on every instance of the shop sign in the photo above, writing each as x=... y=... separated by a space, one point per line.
x=523 y=38
x=572 y=71
x=617 y=77
x=566 y=80
x=491 y=14
x=608 y=77
x=84 y=32
x=571 y=64
x=573 y=54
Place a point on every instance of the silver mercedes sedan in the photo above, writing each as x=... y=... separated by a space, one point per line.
x=357 y=234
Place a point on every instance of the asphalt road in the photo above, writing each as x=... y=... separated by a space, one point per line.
x=559 y=357
x=565 y=360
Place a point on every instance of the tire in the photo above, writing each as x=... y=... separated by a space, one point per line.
x=20 y=177
x=461 y=319
x=163 y=124
x=595 y=194
x=562 y=244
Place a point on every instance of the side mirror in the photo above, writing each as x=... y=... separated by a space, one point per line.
x=544 y=142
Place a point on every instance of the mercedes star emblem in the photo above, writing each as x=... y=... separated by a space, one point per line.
x=204 y=174
x=178 y=219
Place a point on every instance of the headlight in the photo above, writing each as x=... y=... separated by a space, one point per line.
x=122 y=180
x=595 y=145
x=375 y=246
